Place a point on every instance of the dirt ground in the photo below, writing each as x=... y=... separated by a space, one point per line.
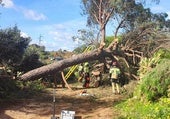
x=97 y=103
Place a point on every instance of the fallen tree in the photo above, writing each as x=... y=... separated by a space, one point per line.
x=97 y=54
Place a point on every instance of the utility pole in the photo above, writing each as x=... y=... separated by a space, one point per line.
x=54 y=110
x=40 y=39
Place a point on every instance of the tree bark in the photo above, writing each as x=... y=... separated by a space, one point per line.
x=103 y=34
x=61 y=65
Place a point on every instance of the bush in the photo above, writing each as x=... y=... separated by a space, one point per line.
x=10 y=89
x=7 y=85
x=155 y=84
x=36 y=85
x=135 y=109
x=151 y=98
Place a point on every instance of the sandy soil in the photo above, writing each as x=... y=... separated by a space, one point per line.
x=98 y=103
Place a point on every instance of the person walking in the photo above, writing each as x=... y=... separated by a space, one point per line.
x=114 y=73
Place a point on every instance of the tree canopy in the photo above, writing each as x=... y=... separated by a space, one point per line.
x=12 y=46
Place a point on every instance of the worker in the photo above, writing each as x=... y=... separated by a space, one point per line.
x=114 y=77
x=86 y=72
x=80 y=71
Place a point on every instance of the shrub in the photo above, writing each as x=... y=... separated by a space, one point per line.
x=18 y=89
x=135 y=109
x=151 y=97
x=155 y=83
x=36 y=85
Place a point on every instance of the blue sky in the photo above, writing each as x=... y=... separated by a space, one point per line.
x=55 y=20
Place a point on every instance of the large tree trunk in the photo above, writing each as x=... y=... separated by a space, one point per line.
x=103 y=35
x=60 y=65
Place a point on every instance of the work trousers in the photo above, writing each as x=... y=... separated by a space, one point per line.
x=115 y=86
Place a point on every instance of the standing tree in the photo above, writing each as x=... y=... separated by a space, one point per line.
x=12 y=46
x=99 y=13
x=33 y=58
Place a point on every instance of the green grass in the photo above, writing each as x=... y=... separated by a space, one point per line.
x=135 y=109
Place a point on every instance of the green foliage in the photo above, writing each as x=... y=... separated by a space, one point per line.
x=92 y=10
x=155 y=76
x=109 y=39
x=19 y=89
x=86 y=36
x=147 y=64
x=34 y=57
x=163 y=53
x=31 y=85
x=29 y=63
x=80 y=49
x=155 y=83
x=151 y=97
x=135 y=109
x=7 y=85
x=160 y=18
x=12 y=46
x=76 y=74
x=36 y=49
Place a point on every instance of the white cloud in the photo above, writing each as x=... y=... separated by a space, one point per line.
x=30 y=14
x=8 y=3
x=157 y=9
x=67 y=29
x=59 y=36
x=24 y=35
x=56 y=45
x=168 y=14
x=61 y=40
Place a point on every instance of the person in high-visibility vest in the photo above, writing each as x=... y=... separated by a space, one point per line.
x=114 y=77
x=86 y=70
x=80 y=71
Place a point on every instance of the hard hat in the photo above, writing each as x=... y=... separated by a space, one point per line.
x=86 y=64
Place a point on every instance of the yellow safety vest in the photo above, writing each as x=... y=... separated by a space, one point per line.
x=114 y=71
